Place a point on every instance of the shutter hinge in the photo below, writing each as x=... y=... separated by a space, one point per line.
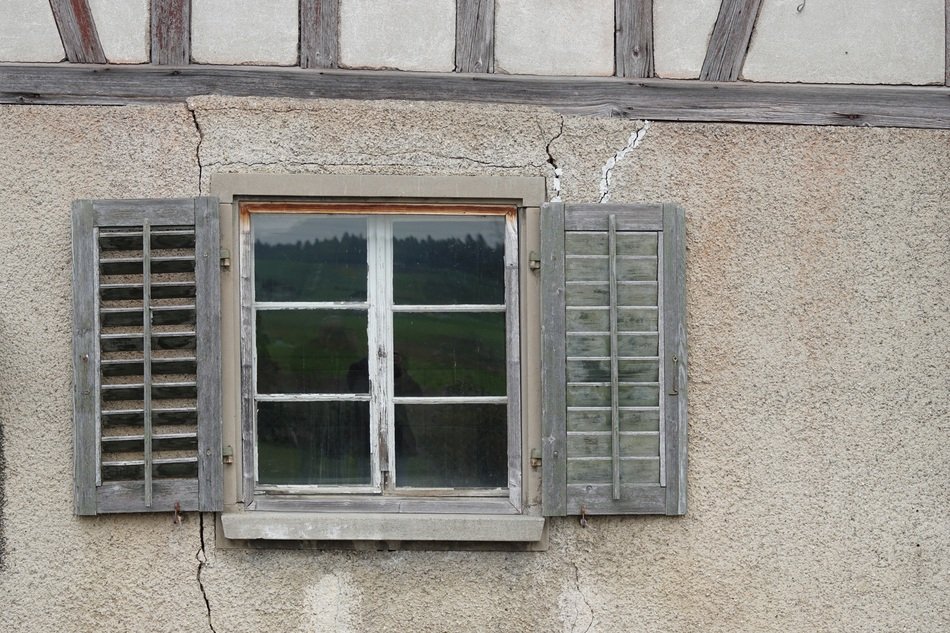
x=535 y=458
x=225 y=258
x=534 y=261
x=227 y=454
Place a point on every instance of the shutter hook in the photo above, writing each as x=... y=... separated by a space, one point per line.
x=583 y=519
x=177 y=518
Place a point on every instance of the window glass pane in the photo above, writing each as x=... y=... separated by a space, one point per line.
x=324 y=443
x=439 y=260
x=301 y=257
x=442 y=354
x=451 y=445
x=311 y=351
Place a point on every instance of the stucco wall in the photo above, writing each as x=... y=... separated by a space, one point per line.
x=819 y=470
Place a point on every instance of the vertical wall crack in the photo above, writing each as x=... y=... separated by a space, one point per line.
x=556 y=180
x=577 y=587
x=202 y=557
x=201 y=137
x=632 y=143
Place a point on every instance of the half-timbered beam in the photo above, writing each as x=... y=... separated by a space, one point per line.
x=171 y=32
x=319 y=33
x=729 y=41
x=77 y=30
x=946 y=41
x=633 y=44
x=475 y=36
x=659 y=99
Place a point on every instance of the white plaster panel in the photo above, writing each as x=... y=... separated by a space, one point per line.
x=848 y=41
x=403 y=34
x=554 y=37
x=681 y=30
x=28 y=32
x=244 y=32
x=123 y=28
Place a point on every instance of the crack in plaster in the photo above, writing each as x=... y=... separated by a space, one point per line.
x=201 y=138
x=202 y=557
x=577 y=588
x=632 y=143
x=556 y=180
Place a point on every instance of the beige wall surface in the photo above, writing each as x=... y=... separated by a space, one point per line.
x=819 y=456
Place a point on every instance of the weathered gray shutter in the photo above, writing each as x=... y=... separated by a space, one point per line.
x=614 y=359
x=146 y=355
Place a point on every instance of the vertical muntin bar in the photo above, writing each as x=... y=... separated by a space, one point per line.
x=147 y=359
x=614 y=368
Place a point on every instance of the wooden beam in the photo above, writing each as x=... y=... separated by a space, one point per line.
x=633 y=43
x=946 y=43
x=475 y=36
x=729 y=41
x=77 y=30
x=171 y=32
x=319 y=33
x=655 y=99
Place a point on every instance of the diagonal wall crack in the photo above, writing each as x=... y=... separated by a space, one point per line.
x=202 y=557
x=632 y=143
x=201 y=137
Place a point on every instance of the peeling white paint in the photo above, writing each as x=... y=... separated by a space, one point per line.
x=632 y=143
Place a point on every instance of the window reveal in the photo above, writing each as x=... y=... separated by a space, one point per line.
x=382 y=355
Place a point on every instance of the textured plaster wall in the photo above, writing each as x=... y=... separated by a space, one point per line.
x=819 y=472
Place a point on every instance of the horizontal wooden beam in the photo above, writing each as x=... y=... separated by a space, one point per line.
x=655 y=99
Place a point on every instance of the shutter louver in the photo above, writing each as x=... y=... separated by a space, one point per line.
x=614 y=363
x=146 y=310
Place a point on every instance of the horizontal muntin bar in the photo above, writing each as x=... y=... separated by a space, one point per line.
x=312 y=397
x=311 y=305
x=450 y=400
x=455 y=307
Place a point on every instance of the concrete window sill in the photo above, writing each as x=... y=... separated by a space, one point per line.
x=331 y=526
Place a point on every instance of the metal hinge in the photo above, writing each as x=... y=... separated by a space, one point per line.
x=534 y=261
x=225 y=258
x=228 y=454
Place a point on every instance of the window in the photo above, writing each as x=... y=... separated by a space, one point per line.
x=383 y=350
x=379 y=358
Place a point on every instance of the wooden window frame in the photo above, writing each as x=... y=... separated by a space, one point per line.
x=380 y=492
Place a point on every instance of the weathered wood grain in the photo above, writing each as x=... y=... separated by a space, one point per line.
x=553 y=358
x=946 y=64
x=78 y=32
x=85 y=360
x=633 y=39
x=208 y=281
x=319 y=33
x=729 y=41
x=475 y=36
x=654 y=99
x=674 y=356
x=171 y=32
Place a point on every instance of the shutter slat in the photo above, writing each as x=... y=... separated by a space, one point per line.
x=614 y=426
x=124 y=247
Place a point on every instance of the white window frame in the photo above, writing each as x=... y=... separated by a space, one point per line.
x=424 y=517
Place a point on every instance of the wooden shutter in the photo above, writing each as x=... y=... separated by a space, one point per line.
x=614 y=359
x=146 y=312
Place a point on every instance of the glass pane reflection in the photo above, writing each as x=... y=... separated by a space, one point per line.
x=440 y=261
x=311 y=443
x=301 y=257
x=449 y=354
x=311 y=351
x=451 y=445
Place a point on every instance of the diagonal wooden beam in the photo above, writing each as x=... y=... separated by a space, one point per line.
x=633 y=43
x=77 y=30
x=730 y=39
x=171 y=32
x=319 y=33
x=475 y=36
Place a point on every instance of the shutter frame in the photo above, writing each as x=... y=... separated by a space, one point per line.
x=92 y=494
x=669 y=496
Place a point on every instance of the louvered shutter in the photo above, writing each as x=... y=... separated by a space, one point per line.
x=146 y=313
x=614 y=359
